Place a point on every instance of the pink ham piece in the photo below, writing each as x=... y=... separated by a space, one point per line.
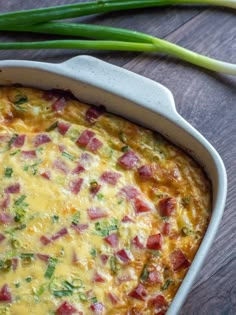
x=13 y=189
x=2 y=237
x=166 y=228
x=104 y=258
x=61 y=147
x=31 y=154
x=45 y=240
x=5 y=218
x=137 y=243
x=130 y=192
x=178 y=260
x=128 y=160
x=59 y=234
x=61 y=166
x=78 y=169
x=5 y=203
x=67 y=309
x=94 y=144
x=113 y=298
x=124 y=255
x=41 y=139
x=46 y=175
x=167 y=206
x=96 y=213
x=139 y=293
x=63 y=127
x=112 y=240
x=93 y=113
x=5 y=294
x=145 y=172
x=141 y=206
x=75 y=186
x=18 y=141
x=126 y=219
x=85 y=137
x=154 y=277
x=59 y=105
x=159 y=303
x=154 y=242
x=97 y=308
x=110 y=177
x=14 y=263
x=98 y=278
x=43 y=257
x=79 y=228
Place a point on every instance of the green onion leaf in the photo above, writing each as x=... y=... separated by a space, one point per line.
x=167 y=284
x=19 y=200
x=93 y=252
x=68 y=155
x=8 y=172
x=52 y=127
x=51 y=267
x=144 y=274
x=61 y=293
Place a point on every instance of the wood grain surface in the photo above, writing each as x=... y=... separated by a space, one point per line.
x=207 y=100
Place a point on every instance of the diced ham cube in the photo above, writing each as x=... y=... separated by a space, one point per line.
x=18 y=141
x=45 y=240
x=167 y=206
x=113 y=298
x=41 y=139
x=97 y=308
x=2 y=237
x=75 y=186
x=128 y=160
x=85 y=137
x=59 y=234
x=43 y=257
x=130 y=192
x=124 y=255
x=31 y=154
x=59 y=105
x=139 y=293
x=166 y=228
x=94 y=144
x=14 y=263
x=104 y=258
x=145 y=172
x=61 y=166
x=96 y=213
x=110 y=177
x=63 y=127
x=67 y=309
x=159 y=303
x=13 y=189
x=137 y=243
x=78 y=169
x=5 y=218
x=5 y=203
x=79 y=228
x=154 y=277
x=5 y=294
x=141 y=206
x=112 y=240
x=93 y=113
x=126 y=219
x=178 y=260
x=46 y=175
x=98 y=278
x=154 y=242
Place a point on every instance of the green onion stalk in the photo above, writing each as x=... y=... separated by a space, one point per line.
x=35 y=16
x=111 y=38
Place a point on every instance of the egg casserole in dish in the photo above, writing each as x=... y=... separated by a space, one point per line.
x=97 y=214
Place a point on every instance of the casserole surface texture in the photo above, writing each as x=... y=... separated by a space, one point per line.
x=97 y=215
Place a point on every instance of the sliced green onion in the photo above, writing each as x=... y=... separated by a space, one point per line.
x=52 y=127
x=144 y=274
x=19 y=200
x=51 y=267
x=61 y=293
x=68 y=155
x=8 y=172
x=167 y=284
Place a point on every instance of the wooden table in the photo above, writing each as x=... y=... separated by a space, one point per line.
x=207 y=100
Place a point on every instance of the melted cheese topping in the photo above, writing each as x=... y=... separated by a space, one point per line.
x=97 y=215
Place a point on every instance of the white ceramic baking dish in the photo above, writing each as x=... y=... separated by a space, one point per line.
x=138 y=99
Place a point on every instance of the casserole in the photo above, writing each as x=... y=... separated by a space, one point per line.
x=140 y=100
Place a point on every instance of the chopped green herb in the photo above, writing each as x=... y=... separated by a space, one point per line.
x=167 y=284
x=61 y=293
x=8 y=172
x=39 y=292
x=122 y=137
x=20 y=227
x=68 y=155
x=20 y=215
x=5 y=265
x=100 y=196
x=17 y=285
x=186 y=200
x=83 y=297
x=27 y=258
x=94 y=300
x=51 y=267
x=28 y=279
x=93 y=186
x=114 y=264
x=20 y=99
x=52 y=127
x=15 y=243
x=75 y=218
x=120 y=201
x=33 y=167
x=125 y=148
x=104 y=228
x=55 y=218
x=77 y=283
x=15 y=152
x=13 y=138
x=93 y=252
x=19 y=200
x=144 y=274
